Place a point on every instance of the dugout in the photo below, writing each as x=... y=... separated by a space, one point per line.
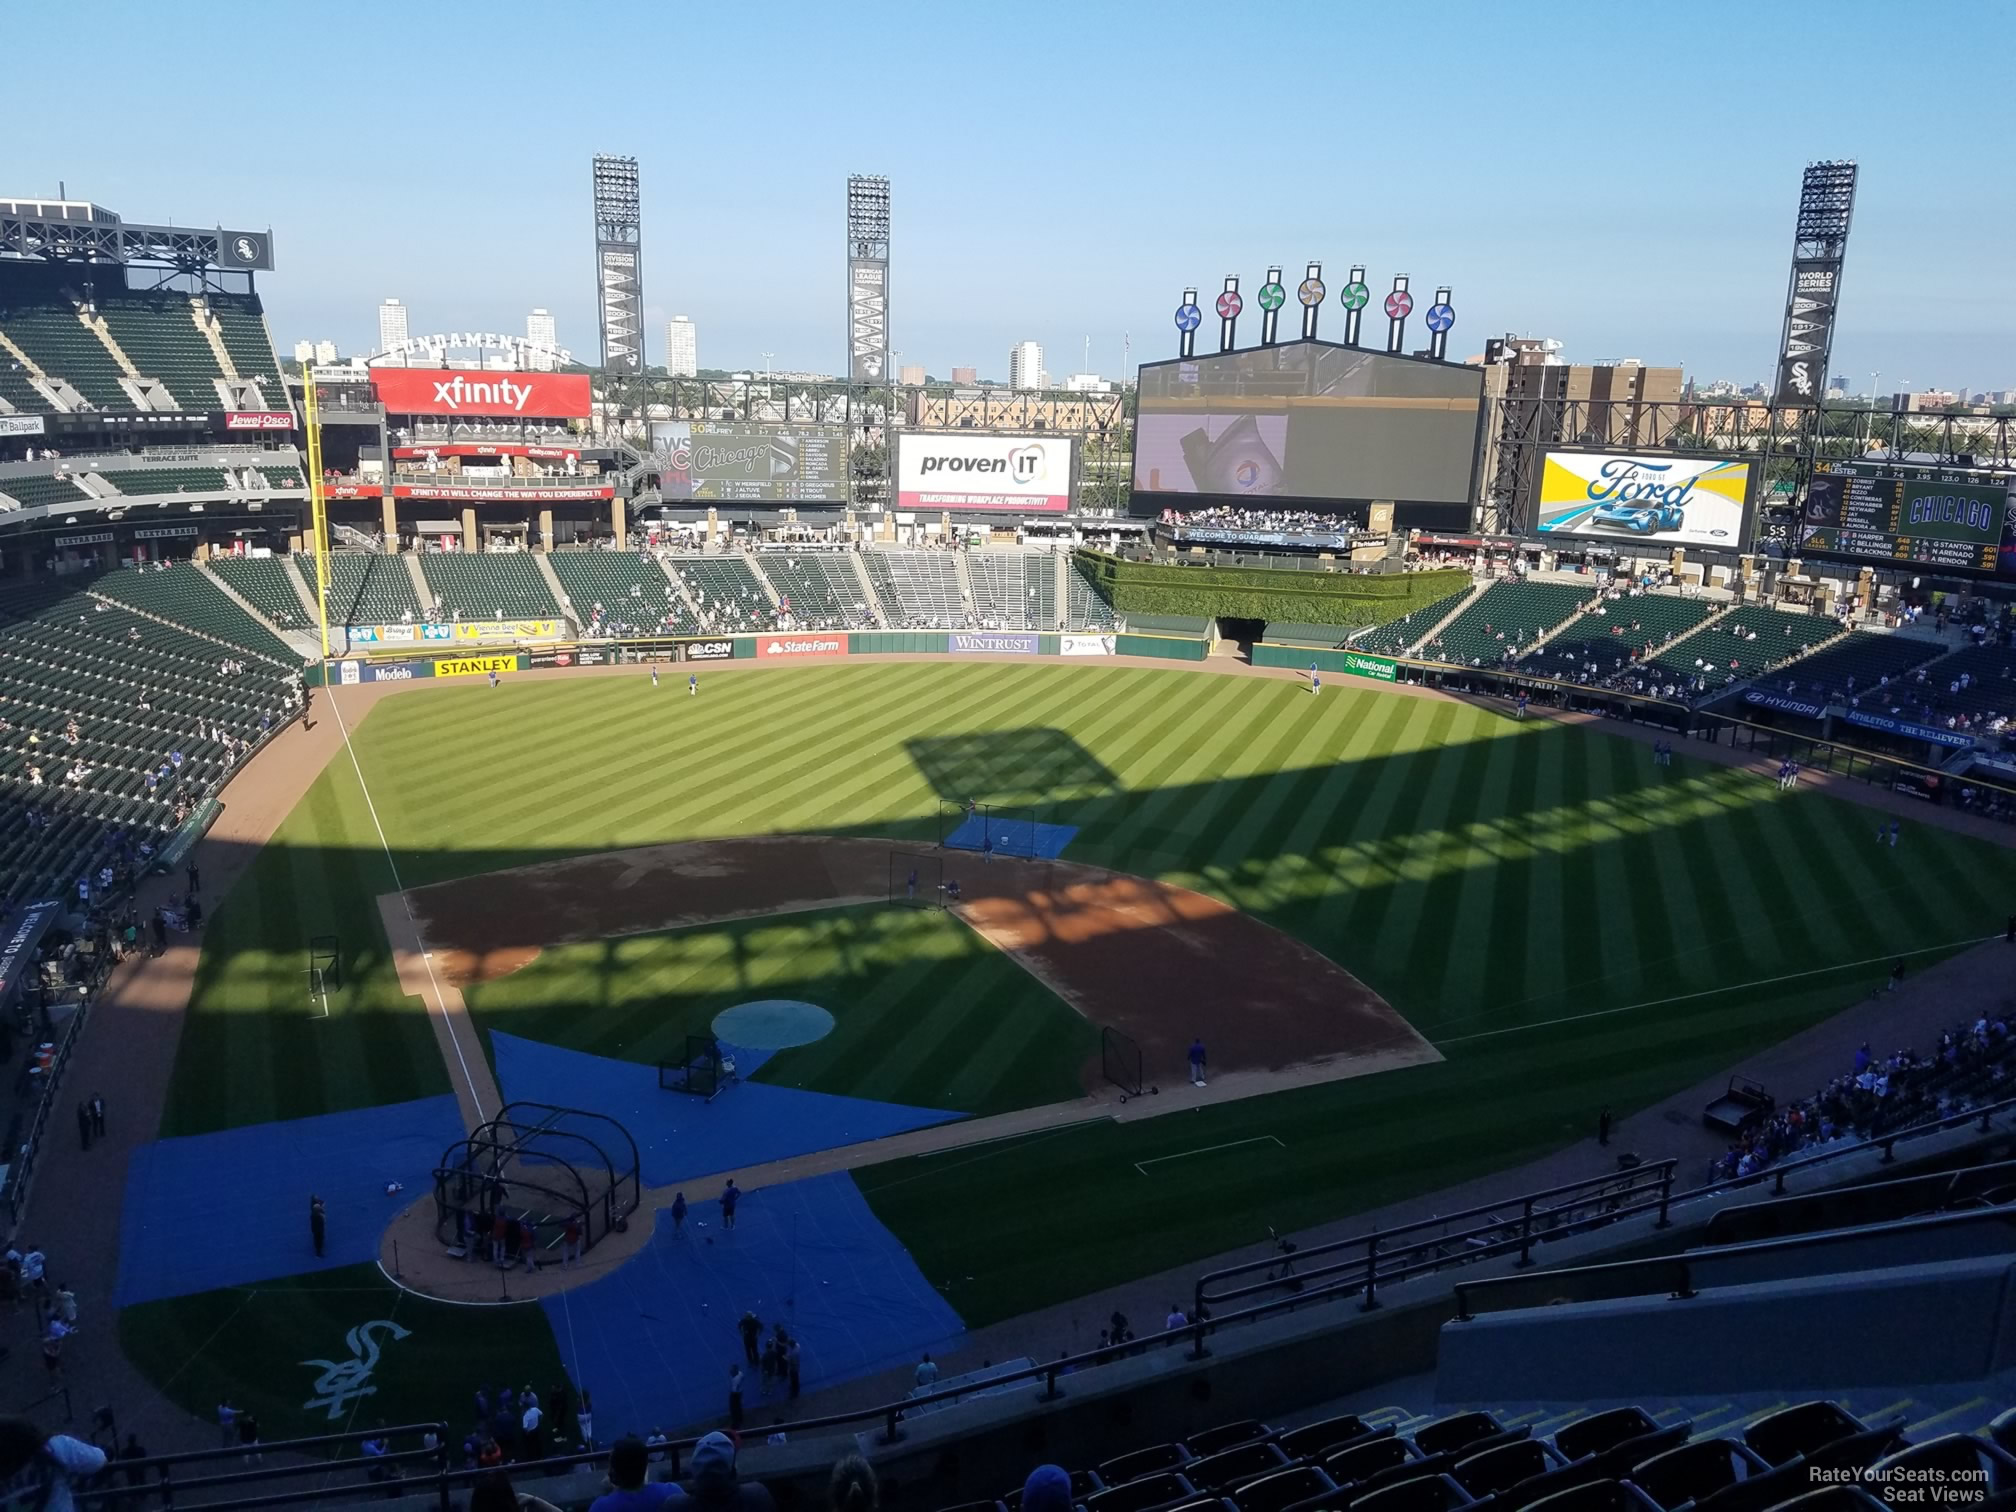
x=539 y=1164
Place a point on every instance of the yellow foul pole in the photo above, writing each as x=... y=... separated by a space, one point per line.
x=318 y=507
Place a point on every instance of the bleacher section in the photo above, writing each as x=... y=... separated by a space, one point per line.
x=1005 y=591
x=1086 y=608
x=55 y=340
x=501 y=585
x=727 y=592
x=365 y=589
x=619 y=593
x=818 y=588
x=158 y=334
x=167 y=480
x=1984 y=702
x=241 y=323
x=281 y=477
x=1854 y=666
x=1395 y=637
x=265 y=584
x=139 y=692
x=180 y=593
x=1616 y=633
x=1503 y=620
x=18 y=388
x=919 y=590
x=1746 y=642
x=34 y=492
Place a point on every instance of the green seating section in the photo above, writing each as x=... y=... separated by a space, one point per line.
x=282 y=477
x=620 y=593
x=1854 y=665
x=35 y=492
x=182 y=595
x=919 y=590
x=167 y=480
x=499 y=585
x=1616 y=633
x=159 y=336
x=365 y=589
x=1086 y=607
x=18 y=389
x=1973 y=689
x=1397 y=637
x=1745 y=642
x=1503 y=620
x=56 y=341
x=1008 y=589
x=140 y=692
x=820 y=587
x=727 y=593
x=241 y=326
x=266 y=584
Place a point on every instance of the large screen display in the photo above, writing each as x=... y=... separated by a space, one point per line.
x=1959 y=527
x=725 y=459
x=980 y=470
x=1309 y=420
x=1659 y=499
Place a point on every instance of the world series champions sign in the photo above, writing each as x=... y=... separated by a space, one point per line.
x=867 y=279
x=1820 y=247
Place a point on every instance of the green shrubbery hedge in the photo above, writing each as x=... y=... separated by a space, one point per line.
x=1310 y=598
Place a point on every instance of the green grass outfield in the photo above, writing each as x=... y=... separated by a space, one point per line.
x=1487 y=877
x=925 y=1011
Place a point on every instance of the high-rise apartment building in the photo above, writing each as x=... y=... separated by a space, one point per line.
x=682 y=348
x=1025 y=365
x=966 y=375
x=539 y=330
x=911 y=375
x=391 y=324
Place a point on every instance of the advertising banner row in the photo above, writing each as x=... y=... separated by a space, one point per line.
x=467 y=630
x=350 y=673
x=614 y=654
x=467 y=493
x=1667 y=499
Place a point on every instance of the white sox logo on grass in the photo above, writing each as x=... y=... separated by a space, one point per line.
x=344 y=1381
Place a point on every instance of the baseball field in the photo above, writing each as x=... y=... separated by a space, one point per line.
x=1565 y=923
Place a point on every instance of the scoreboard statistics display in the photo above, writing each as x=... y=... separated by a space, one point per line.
x=750 y=461
x=1919 y=522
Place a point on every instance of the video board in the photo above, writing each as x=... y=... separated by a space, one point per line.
x=750 y=461
x=1659 y=498
x=1309 y=420
x=983 y=470
x=1919 y=522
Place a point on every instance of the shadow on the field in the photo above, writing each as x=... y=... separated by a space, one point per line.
x=1032 y=765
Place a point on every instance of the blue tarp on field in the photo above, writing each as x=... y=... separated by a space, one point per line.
x=231 y=1208
x=653 y=1341
x=680 y=1136
x=1012 y=837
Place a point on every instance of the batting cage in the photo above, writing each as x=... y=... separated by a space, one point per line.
x=325 y=970
x=991 y=829
x=706 y=1069
x=917 y=879
x=508 y=1192
x=1120 y=1058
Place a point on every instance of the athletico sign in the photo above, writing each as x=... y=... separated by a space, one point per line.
x=799 y=647
x=994 y=642
x=439 y=391
x=964 y=470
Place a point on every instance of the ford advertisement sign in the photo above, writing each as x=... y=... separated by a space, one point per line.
x=1667 y=499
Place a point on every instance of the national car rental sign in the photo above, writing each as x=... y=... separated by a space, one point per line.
x=459 y=391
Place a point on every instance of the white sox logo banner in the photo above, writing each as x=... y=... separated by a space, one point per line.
x=1809 y=331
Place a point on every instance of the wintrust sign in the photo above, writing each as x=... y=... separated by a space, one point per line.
x=1005 y=474
x=799 y=647
x=439 y=391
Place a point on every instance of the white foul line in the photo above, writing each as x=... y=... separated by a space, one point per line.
x=1790 y=976
x=426 y=959
x=1142 y=1165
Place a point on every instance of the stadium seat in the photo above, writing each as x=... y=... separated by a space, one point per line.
x=1596 y=1496
x=1616 y=633
x=1084 y=1483
x=919 y=590
x=38 y=492
x=1320 y=1438
x=1139 y=1493
x=1397 y=637
x=818 y=589
x=1282 y=1489
x=730 y=599
x=241 y=326
x=1835 y=1499
x=1458 y=1432
x=266 y=584
x=167 y=480
x=182 y=595
x=1785 y=1436
x=1505 y=1466
x=635 y=595
x=1601 y=1431
x=1226 y=1468
x=488 y=586
x=1855 y=668
x=1747 y=642
x=1013 y=590
x=1424 y=1493
x=2003 y=1431
x=1958 y=1460
x=159 y=335
x=1150 y=1461
x=1857 y=1449
x=1357 y=1463
x=46 y=327
x=1504 y=620
x=1226 y=1436
x=366 y=589
x=1086 y=607
x=1695 y=1471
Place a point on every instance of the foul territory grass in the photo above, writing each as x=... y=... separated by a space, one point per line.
x=925 y=1011
x=1483 y=875
x=267 y=1349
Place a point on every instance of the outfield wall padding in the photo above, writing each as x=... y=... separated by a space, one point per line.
x=896 y=642
x=1161 y=647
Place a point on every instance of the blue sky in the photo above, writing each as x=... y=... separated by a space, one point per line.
x=1619 y=176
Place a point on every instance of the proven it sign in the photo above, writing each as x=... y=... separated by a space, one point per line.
x=967 y=470
x=451 y=391
x=799 y=647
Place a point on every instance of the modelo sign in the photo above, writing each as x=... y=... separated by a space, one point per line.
x=1668 y=499
x=780 y=647
x=964 y=470
x=454 y=391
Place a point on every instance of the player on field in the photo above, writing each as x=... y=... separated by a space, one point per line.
x=1197 y=1063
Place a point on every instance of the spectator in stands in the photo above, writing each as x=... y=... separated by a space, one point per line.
x=493 y=1493
x=1048 y=1489
x=713 y=1482
x=927 y=1371
x=49 y=1465
x=628 y=1490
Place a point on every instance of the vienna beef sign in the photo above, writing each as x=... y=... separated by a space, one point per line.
x=453 y=391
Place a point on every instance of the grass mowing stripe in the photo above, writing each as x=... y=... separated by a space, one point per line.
x=1419 y=919
x=1510 y=925
x=1470 y=888
x=1176 y=781
x=1298 y=753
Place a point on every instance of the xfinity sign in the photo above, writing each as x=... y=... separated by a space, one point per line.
x=946 y=470
x=532 y=396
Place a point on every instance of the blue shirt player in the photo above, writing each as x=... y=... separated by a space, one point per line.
x=1196 y=1063
x=692 y=684
x=1315 y=683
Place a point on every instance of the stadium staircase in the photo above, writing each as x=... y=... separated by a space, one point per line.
x=964 y=573
x=18 y=389
x=1062 y=571
x=95 y=324
x=868 y=594
x=246 y=604
x=213 y=334
x=679 y=588
x=1450 y=609
x=540 y=559
x=422 y=594
x=763 y=579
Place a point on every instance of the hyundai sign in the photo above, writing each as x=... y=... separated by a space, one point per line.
x=967 y=470
x=1663 y=499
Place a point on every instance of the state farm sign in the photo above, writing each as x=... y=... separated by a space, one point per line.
x=967 y=470
x=449 y=391
x=799 y=647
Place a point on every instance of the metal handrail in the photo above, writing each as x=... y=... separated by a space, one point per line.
x=1682 y=1266
x=117 y=1484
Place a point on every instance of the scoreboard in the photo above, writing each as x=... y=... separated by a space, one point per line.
x=1919 y=522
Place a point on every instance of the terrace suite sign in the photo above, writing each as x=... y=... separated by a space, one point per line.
x=457 y=391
